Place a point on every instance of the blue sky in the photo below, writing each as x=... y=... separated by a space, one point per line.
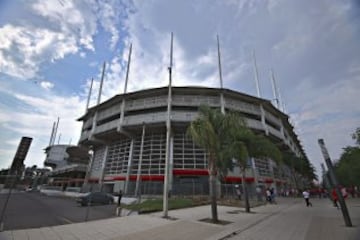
x=50 y=50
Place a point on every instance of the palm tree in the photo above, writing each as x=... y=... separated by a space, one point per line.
x=209 y=131
x=245 y=144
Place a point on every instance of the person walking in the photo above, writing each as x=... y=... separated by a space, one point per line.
x=335 y=198
x=238 y=192
x=268 y=195
x=272 y=195
x=306 y=196
x=118 y=208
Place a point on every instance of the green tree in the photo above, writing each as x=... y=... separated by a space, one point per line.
x=348 y=167
x=356 y=136
x=209 y=131
x=301 y=166
x=244 y=144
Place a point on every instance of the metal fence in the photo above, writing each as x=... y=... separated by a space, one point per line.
x=192 y=189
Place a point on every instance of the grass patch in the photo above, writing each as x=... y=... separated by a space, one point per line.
x=154 y=205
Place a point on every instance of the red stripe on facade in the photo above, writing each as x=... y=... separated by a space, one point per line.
x=93 y=180
x=191 y=172
x=182 y=172
x=148 y=177
x=232 y=179
x=268 y=180
x=133 y=178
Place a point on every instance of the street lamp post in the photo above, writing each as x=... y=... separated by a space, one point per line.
x=86 y=181
x=89 y=168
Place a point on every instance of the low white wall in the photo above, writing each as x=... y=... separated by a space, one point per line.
x=57 y=193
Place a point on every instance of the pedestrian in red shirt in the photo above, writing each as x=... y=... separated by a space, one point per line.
x=335 y=198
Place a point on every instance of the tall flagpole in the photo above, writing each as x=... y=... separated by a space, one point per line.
x=168 y=132
x=220 y=76
x=98 y=101
x=125 y=90
x=101 y=83
x=55 y=131
x=256 y=75
x=274 y=88
x=89 y=96
x=281 y=103
x=52 y=134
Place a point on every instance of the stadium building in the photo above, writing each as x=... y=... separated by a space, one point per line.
x=127 y=135
x=69 y=165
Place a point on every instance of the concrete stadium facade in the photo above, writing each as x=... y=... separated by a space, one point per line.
x=69 y=165
x=114 y=130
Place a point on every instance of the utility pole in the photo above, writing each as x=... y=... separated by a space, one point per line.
x=328 y=162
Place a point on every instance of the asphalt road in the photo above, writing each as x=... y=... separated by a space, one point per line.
x=34 y=210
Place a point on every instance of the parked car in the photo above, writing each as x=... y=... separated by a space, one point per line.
x=95 y=198
x=30 y=189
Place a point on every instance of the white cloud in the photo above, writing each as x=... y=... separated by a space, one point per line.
x=64 y=27
x=331 y=113
x=70 y=19
x=36 y=119
x=354 y=68
x=109 y=13
x=24 y=49
x=335 y=100
x=4 y=117
x=46 y=85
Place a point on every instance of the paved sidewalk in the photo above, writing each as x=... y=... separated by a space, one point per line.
x=289 y=219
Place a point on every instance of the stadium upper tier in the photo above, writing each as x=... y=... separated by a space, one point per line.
x=125 y=114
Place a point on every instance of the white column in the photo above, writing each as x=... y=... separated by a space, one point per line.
x=129 y=166
x=103 y=165
x=140 y=162
x=263 y=119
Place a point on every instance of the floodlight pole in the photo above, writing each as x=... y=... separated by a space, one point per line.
x=89 y=95
x=222 y=101
x=168 y=132
x=256 y=75
x=328 y=162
